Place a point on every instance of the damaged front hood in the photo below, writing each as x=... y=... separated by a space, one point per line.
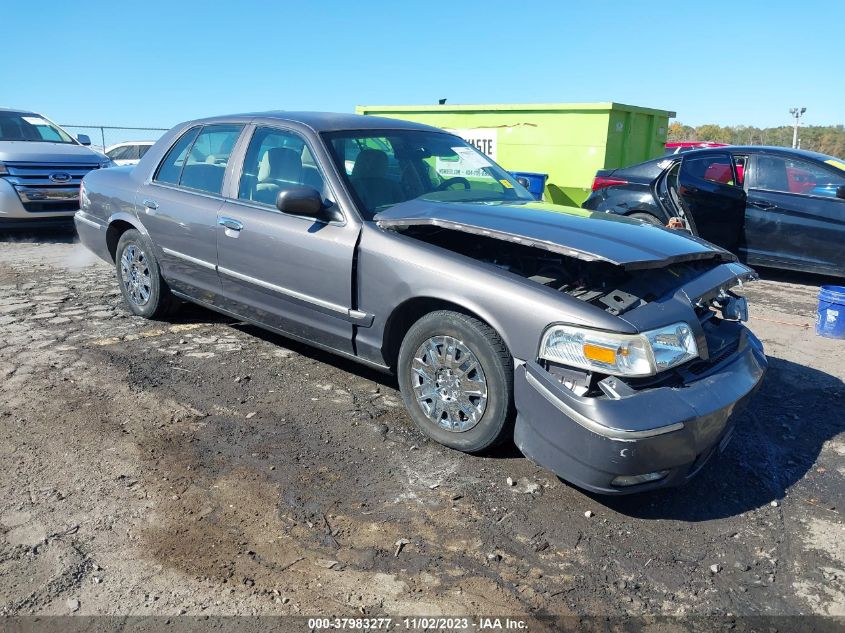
x=568 y=231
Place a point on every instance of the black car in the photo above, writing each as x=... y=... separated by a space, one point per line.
x=772 y=206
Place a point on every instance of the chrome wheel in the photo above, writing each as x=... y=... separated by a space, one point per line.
x=449 y=384
x=135 y=274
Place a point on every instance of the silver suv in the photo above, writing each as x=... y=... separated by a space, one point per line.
x=41 y=167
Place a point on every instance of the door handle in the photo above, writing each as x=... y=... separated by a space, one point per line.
x=151 y=204
x=762 y=204
x=229 y=223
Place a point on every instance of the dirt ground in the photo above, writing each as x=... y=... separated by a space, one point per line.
x=202 y=466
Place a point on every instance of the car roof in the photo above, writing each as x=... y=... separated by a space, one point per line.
x=326 y=121
x=652 y=167
x=18 y=111
x=756 y=149
x=701 y=144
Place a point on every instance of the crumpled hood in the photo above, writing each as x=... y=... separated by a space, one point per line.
x=569 y=231
x=43 y=152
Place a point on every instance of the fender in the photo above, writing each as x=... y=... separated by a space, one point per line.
x=465 y=303
x=113 y=232
x=130 y=219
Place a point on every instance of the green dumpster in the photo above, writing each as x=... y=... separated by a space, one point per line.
x=567 y=141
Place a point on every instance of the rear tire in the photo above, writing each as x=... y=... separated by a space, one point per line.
x=144 y=290
x=646 y=217
x=456 y=378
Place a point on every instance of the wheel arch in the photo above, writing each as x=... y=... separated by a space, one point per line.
x=411 y=310
x=119 y=223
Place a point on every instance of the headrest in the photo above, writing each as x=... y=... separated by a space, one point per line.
x=280 y=163
x=371 y=163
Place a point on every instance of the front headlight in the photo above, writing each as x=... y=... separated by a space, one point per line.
x=107 y=163
x=620 y=354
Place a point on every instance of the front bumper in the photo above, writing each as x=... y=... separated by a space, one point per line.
x=590 y=441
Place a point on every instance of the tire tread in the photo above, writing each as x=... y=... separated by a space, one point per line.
x=499 y=349
x=167 y=304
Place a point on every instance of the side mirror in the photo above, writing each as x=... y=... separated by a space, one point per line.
x=84 y=139
x=302 y=200
x=522 y=180
x=840 y=192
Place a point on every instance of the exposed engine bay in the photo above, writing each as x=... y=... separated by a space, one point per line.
x=602 y=284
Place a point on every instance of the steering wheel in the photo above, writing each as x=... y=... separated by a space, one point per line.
x=457 y=180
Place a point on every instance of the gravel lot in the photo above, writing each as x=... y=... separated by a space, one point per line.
x=202 y=466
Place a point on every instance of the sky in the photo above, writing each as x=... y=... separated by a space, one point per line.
x=156 y=63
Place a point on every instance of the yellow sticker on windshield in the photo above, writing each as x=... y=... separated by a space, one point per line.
x=836 y=163
x=506 y=184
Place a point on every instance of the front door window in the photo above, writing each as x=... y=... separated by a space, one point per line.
x=277 y=160
x=792 y=175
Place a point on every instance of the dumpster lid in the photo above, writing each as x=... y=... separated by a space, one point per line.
x=569 y=231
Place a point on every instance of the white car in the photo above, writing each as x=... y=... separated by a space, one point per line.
x=128 y=153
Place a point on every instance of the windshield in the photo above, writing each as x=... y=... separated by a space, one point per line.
x=27 y=126
x=386 y=167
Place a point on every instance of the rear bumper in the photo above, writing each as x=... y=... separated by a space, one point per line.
x=92 y=234
x=591 y=441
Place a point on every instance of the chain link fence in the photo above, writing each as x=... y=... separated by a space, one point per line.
x=102 y=136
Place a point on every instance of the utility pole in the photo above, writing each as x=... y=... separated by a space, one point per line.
x=796 y=114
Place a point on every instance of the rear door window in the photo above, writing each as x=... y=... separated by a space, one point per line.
x=170 y=168
x=717 y=168
x=206 y=162
x=199 y=158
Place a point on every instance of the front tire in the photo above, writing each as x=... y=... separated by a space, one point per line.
x=456 y=378
x=145 y=292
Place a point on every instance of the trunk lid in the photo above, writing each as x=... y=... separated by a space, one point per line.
x=568 y=231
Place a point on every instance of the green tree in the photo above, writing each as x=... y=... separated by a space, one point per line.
x=827 y=139
x=713 y=132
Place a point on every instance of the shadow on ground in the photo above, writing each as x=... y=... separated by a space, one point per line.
x=52 y=235
x=794 y=277
x=778 y=439
x=191 y=313
x=303 y=349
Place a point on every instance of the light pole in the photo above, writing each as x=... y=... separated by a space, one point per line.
x=796 y=114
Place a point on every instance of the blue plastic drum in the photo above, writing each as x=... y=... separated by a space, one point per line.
x=830 y=319
x=536 y=182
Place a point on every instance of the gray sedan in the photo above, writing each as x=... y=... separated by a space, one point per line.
x=611 y=351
